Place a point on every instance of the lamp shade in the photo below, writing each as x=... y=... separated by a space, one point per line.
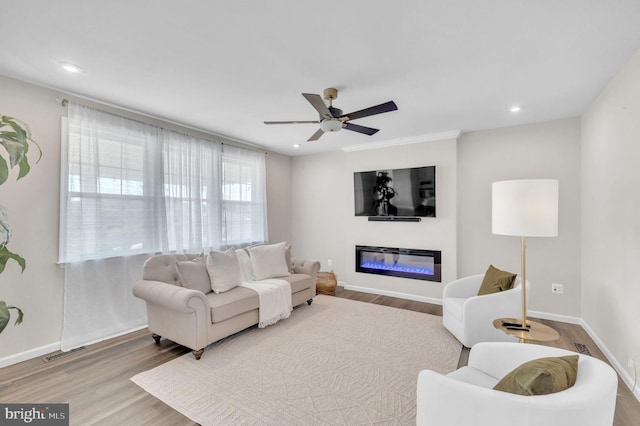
x=526 y=207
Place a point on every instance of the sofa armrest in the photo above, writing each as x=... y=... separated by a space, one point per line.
x=170 y=296
x=302 y=266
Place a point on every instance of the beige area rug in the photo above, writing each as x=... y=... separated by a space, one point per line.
x=336 y=362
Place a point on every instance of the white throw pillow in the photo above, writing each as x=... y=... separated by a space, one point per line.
x=224 y=270
x=246 y=271
x=193 y=274
x=269 y=261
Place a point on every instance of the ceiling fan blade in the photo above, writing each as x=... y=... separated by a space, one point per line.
x=317 y=102
x=316 y=135
x=360 y=129
x=291 y=122
x=378 y=109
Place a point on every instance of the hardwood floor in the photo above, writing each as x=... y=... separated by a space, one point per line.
x=95 y=381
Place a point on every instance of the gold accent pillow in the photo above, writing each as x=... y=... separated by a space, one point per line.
x=496 y=280
x=541 y=376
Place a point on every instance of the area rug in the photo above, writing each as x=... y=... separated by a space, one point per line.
x=336 y=362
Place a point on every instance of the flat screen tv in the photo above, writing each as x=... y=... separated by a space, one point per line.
x=396 y=192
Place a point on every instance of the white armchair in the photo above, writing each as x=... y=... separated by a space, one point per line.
x=466 y=397
x=469 y=317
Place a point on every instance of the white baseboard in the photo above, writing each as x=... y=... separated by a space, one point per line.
x=626 y=377
x=27 y=355
x=53 y=347
x=554 y=317
x=407 y=296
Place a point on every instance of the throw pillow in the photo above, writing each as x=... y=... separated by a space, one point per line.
x=287 y=257
x=246 y=271
x=224 y=270
x=541 y=376
x=269 y=261
x=193 y=274
x=496 y=280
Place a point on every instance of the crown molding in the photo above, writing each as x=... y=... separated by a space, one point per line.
x=452 y=134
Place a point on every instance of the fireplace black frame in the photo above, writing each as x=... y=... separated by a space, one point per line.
x=435 y=254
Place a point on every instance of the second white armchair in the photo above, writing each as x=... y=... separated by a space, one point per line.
x=469 y=317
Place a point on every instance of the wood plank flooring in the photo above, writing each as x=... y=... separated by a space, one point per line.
x=95 y=380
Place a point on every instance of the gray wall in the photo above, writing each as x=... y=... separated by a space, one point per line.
x=279 y=185
x=33 y=203
x=325 y=226
x=544 y=150
x=611 y=215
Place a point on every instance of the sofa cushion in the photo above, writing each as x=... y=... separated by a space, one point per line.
x=269 y=261
x=496 y=280
x=541 y=376
x=298 y=282
x=193 y=274
x=287 y=257
x=231 y=303
x=224 y=270
x=162 y=267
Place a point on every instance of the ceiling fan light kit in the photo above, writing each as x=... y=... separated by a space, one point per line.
x=332 y=119
x=330 y=125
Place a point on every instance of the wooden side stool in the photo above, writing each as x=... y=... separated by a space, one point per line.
x=326 y=283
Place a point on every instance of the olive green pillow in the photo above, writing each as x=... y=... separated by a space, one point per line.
x=541 y=376
x=496 y=280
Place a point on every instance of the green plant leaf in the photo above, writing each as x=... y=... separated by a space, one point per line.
x=16 y=143
x=20 y=315
x=19 y=127
x=14 y=147
x=23 y=166
x=4 y=315
x=4 y=170
x=5 y=255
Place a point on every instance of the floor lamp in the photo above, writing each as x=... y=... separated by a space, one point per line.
x=525 y=208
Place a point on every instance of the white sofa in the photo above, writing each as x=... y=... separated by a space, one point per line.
x=469 y=317
x=466 y=397
x=196 y=319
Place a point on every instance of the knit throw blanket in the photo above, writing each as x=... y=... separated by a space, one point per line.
x=274 y=294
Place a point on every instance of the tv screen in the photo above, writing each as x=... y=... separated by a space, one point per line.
x=396 y=192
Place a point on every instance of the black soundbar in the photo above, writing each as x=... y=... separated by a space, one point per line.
x=393 y=219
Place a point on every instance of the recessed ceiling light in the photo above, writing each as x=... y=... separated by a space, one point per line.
x=296 y=145
x=515 y=109
x=67 y=66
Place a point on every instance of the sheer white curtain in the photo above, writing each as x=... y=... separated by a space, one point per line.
x=192 y=193
x=129 y=190
x=244 y=196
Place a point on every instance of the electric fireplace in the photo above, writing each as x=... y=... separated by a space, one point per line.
x=399 y=262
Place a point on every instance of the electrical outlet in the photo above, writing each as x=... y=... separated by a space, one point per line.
x=631 y=363
x=330 y=263
x=557 y=289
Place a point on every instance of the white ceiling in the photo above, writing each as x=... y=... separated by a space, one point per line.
x=226 y=66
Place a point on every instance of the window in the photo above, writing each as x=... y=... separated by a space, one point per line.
x=130 y=188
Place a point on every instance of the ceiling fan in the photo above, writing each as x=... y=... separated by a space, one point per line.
x=332 y=119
